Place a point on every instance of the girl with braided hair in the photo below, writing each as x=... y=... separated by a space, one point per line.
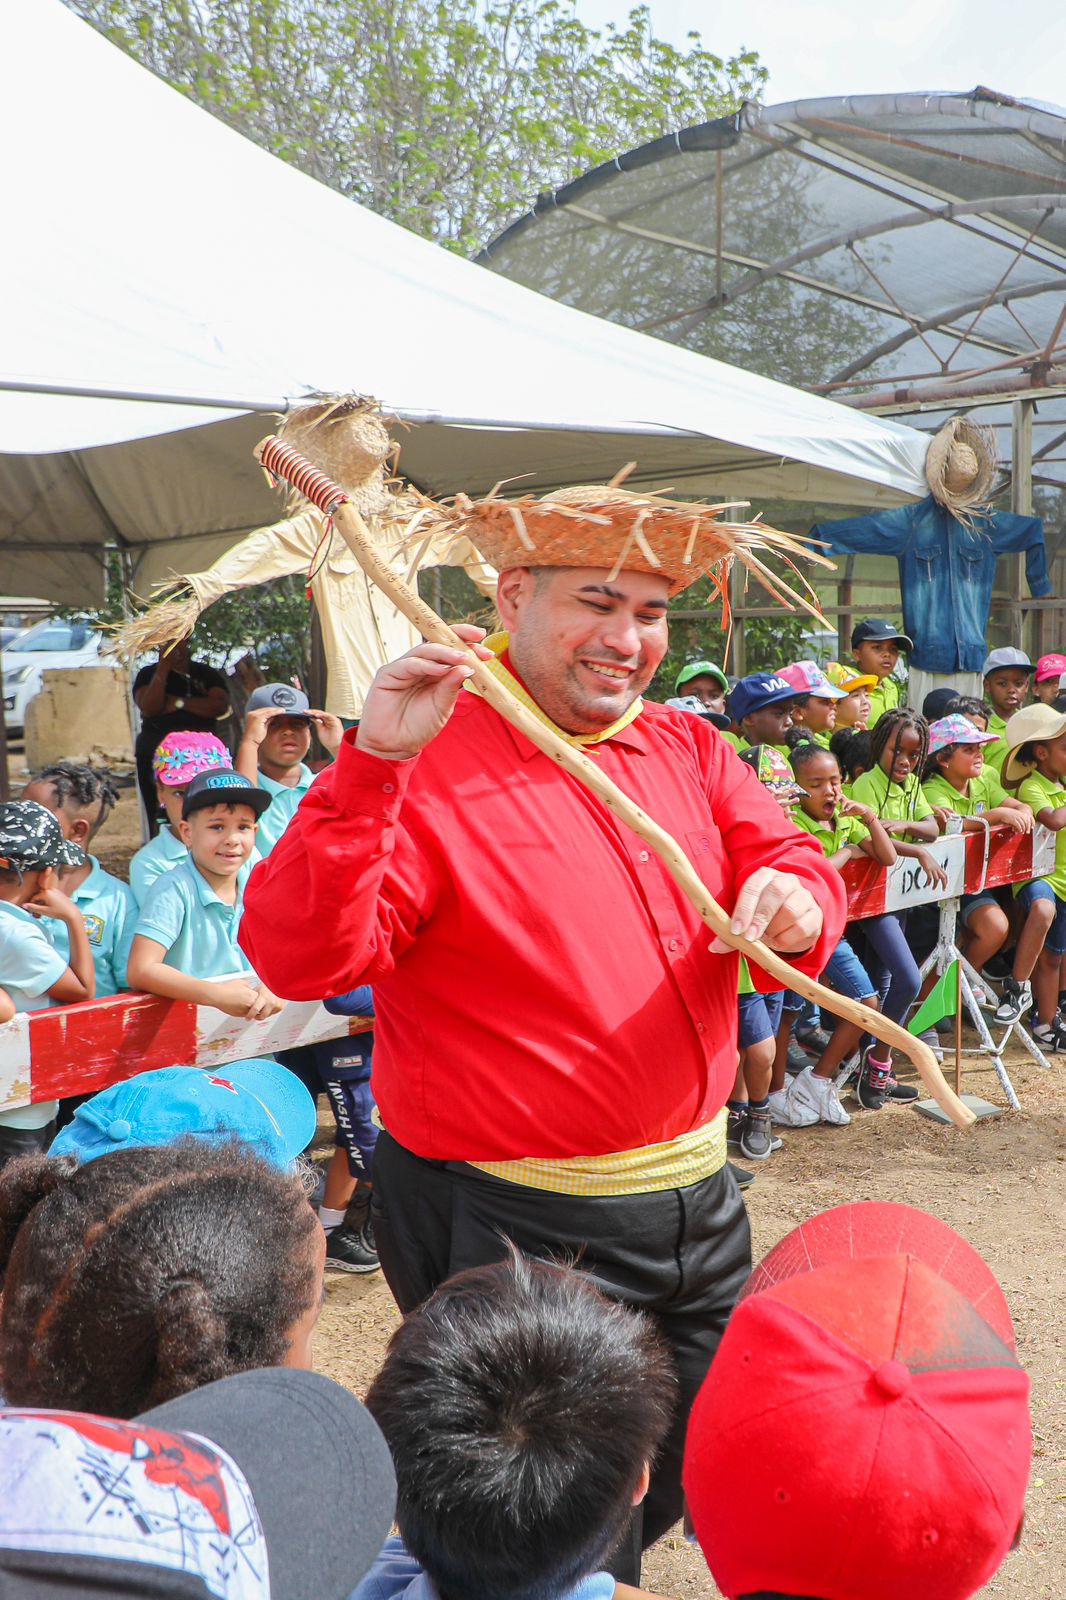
x=147 y=1273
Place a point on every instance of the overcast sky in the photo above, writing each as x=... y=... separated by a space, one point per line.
x=839 y=47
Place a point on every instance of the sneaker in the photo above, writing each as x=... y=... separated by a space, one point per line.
x=813 y=1039
x=872 y=1087
x=1017 y=998
x=351 y=1251
x=789 y=1113
x=904 y=1092
x=734 y=1128
x=757 y=1140
x=798 y=1059
x=819 y=1095
x=744 y=1178
x=1050 y=1036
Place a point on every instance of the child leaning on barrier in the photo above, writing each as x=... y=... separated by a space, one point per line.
x=187 y=931
x=81 y=801
x=1034 y=768
x=178 y=759
x=847 y=831
x=956 y=780
x=899 y=746
x=32 y=972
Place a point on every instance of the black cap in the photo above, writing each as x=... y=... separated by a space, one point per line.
x=879 y=628
x=935 y=705
x=31 y=839
x=223 y=787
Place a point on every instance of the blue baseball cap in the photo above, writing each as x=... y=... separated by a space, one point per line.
x=258 y=1101
x=757 y=691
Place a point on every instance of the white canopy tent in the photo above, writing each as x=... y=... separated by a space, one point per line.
x=165 y=283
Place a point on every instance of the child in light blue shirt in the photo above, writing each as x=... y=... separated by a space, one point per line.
x=32 y=972
x=276 y=738
x=186 y=935
x=81 y=799
x=177 y=760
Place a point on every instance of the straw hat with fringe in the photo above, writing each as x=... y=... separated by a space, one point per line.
x=615 y=529
x=960 y=466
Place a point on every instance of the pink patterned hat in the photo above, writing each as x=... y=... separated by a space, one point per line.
x=181 y=755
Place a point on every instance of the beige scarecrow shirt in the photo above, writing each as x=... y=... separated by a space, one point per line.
x=361 y=628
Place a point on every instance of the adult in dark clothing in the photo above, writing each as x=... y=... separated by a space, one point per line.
x=176 y=694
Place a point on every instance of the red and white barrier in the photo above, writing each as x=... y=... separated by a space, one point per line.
x=74 y=1050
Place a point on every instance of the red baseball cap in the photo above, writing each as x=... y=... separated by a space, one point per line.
x=1050 y=667
x=864 y=1429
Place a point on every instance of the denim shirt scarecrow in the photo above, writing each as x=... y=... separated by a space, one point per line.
x=946 y=572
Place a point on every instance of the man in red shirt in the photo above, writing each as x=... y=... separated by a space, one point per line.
x=556 y=1036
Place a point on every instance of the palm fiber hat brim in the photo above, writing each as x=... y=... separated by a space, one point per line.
x=613 y=529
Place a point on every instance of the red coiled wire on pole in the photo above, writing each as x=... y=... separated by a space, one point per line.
x=282 y=461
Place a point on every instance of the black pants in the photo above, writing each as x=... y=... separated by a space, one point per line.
x=15 y=1142
x=681 y=1255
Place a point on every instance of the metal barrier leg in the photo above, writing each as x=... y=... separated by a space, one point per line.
x=969 y=977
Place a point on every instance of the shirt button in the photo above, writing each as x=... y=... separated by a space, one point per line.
x=388 y=788
x=675 y=944
x=643 y=856
x=701 y=1027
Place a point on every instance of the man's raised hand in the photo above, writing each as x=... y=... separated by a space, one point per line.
x=411 y=699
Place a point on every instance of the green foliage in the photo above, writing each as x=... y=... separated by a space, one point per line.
x=445 y=115
x=769 y=642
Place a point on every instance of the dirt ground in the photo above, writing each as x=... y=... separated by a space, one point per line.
x=1003 y=1186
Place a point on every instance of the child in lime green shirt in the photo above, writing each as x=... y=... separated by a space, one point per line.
x=957 y=781
x=1037 y=768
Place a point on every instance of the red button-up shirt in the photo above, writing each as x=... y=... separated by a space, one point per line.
x=541 y=985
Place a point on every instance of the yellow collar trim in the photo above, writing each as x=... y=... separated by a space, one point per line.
x=497 y=643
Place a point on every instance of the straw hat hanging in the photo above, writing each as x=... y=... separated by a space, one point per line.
x=960 y=467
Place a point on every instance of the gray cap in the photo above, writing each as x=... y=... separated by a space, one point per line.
x=1006 y=656
x=280 y=697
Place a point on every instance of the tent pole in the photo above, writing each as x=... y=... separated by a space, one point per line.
x=1021 y=500
x=5 y=780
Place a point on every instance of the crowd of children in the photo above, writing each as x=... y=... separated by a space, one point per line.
x=70 y=930
x=160 y=1247
x=869 y=777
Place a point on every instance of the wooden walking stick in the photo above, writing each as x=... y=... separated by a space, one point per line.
x=282 y=461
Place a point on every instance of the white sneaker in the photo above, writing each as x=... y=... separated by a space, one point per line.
x=788 y=1113
x=819 y=1095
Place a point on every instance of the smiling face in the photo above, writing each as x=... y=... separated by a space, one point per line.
x=1008 y=689
x=220 y=838
x=878 y=656
x=585 y=647
x=820 y=776
x=900 y=755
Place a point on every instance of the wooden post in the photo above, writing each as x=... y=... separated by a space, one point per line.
x=1021 y=502
x=958 y=1026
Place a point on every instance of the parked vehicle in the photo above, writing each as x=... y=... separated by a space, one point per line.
x=51 y=643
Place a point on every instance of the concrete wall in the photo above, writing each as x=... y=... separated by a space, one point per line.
x=81 y=714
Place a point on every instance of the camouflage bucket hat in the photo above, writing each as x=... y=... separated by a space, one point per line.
x=31 y=838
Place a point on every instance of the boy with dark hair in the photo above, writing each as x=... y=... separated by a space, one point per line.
x=761 y=707
x=81 y=799
x=875 y=646
x=32 y=972
x=1007 y=674
x=522 y=1410
x=276 y=739
x=186 y=935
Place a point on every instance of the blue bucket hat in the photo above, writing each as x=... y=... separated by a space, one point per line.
x=757 y=691
x=258 y=1101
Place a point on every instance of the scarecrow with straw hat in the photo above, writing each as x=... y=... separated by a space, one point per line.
x=947 y=546
x=556 y=1032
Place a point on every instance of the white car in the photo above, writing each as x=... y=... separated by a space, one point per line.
x=47 y=644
